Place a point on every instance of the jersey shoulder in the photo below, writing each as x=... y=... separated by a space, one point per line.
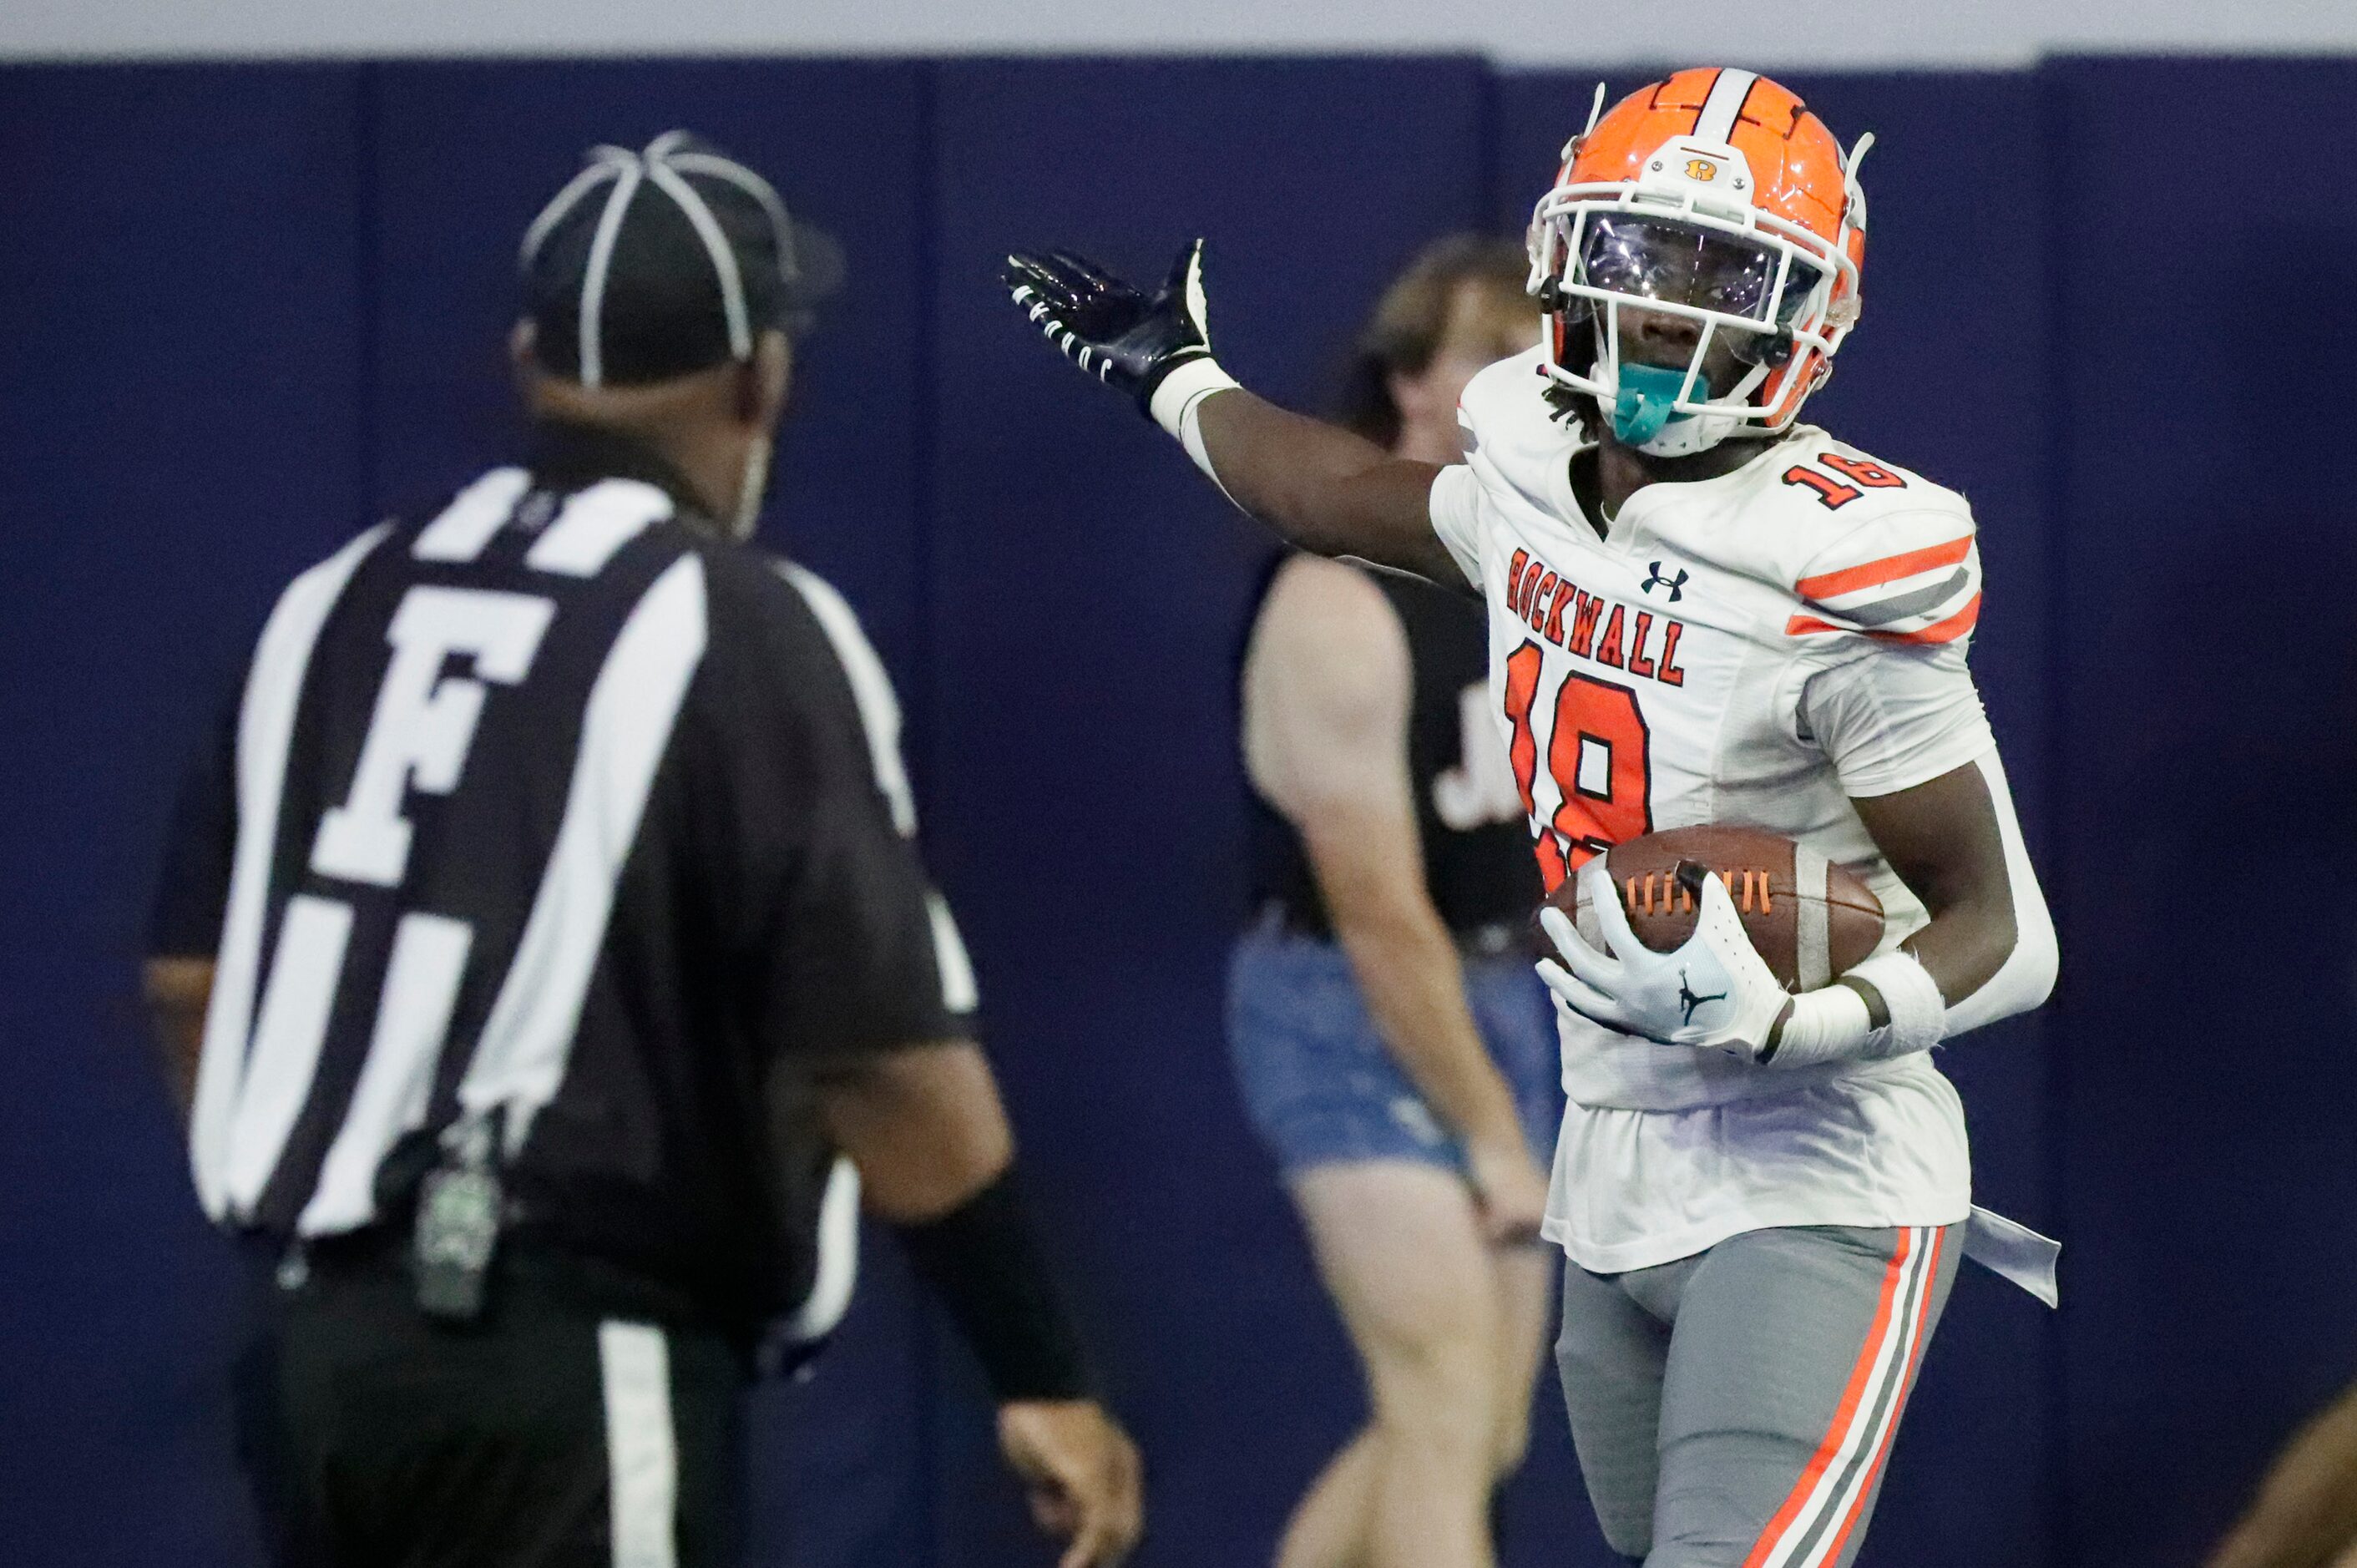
x=809 y=641
x=863 y=667
x=1868 y=548
x=767 y=650
x=1517 y=441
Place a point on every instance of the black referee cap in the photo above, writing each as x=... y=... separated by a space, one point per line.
x=655 y=263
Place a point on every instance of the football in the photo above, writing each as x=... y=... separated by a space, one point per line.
x=1809 y=918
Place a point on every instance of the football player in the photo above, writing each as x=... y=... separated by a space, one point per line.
x=1700 y=610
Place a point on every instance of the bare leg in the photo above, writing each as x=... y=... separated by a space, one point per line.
x=1402 y=1255
x=1526 y=1277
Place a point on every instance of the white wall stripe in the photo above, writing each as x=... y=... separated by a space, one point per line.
x=520 y=1059
x=1817 y=34
x=641 y=1447
x=421 y=987
x=473 y=516
x=595 y=524
x=305 y=973
x=273 y=689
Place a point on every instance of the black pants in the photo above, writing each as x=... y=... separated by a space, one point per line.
x=553 y=1433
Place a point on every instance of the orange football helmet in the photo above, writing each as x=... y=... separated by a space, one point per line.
x=1714 y=196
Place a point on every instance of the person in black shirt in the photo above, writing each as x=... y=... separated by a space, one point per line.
x=556 y=851
x=1393 y=1047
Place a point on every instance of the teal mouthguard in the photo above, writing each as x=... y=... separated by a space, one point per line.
x=1644 y=404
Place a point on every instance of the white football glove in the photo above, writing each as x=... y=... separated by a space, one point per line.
x=1714 y=992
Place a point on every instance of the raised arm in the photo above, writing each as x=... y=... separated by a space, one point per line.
x=1323 y=489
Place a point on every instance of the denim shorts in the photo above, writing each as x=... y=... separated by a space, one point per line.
x=1319 y=1082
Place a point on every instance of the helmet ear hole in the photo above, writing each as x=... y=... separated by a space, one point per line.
x=1554 y=300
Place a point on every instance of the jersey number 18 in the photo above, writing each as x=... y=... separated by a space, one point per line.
x=1597 y=754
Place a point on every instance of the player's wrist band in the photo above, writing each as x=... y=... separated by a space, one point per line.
x=1825 y=1024
x=1919 y=1013
x=983 y=1259
x=1176 y=399
x=1834 y=1023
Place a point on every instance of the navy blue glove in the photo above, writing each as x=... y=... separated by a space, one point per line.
x=1109 y=328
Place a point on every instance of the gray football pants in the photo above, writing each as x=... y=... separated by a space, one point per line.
x=1734 y=1409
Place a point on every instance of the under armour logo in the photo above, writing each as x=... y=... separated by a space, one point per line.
x=1688 y=1000
x=1677 y=584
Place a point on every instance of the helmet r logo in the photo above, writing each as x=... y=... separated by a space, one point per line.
x=1701 y=169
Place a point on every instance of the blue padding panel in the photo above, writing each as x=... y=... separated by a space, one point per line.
x=1945 y=375
x=465 y=154
x=1088 y=589
x=2208 y=821
x=249 y=305
x=178 y=437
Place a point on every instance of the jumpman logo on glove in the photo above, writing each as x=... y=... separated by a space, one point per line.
x=1689 y=1001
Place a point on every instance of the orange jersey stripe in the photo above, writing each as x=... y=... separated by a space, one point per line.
x=1860 y=1375
x=1890 y=569
x=1947 y=630
x=1865 y=1483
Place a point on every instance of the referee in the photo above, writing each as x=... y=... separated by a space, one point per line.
x=555 y=857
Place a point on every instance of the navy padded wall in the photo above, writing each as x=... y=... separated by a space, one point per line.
x=178 y=438
x=464 y=156
x=1089 y=590
x=2207 y=752
x=272 y=298
x=1945 y=374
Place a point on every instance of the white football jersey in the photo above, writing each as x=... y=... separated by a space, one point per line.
x=1755 y=649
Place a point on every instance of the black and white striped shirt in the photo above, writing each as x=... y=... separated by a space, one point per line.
x=552 y=801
